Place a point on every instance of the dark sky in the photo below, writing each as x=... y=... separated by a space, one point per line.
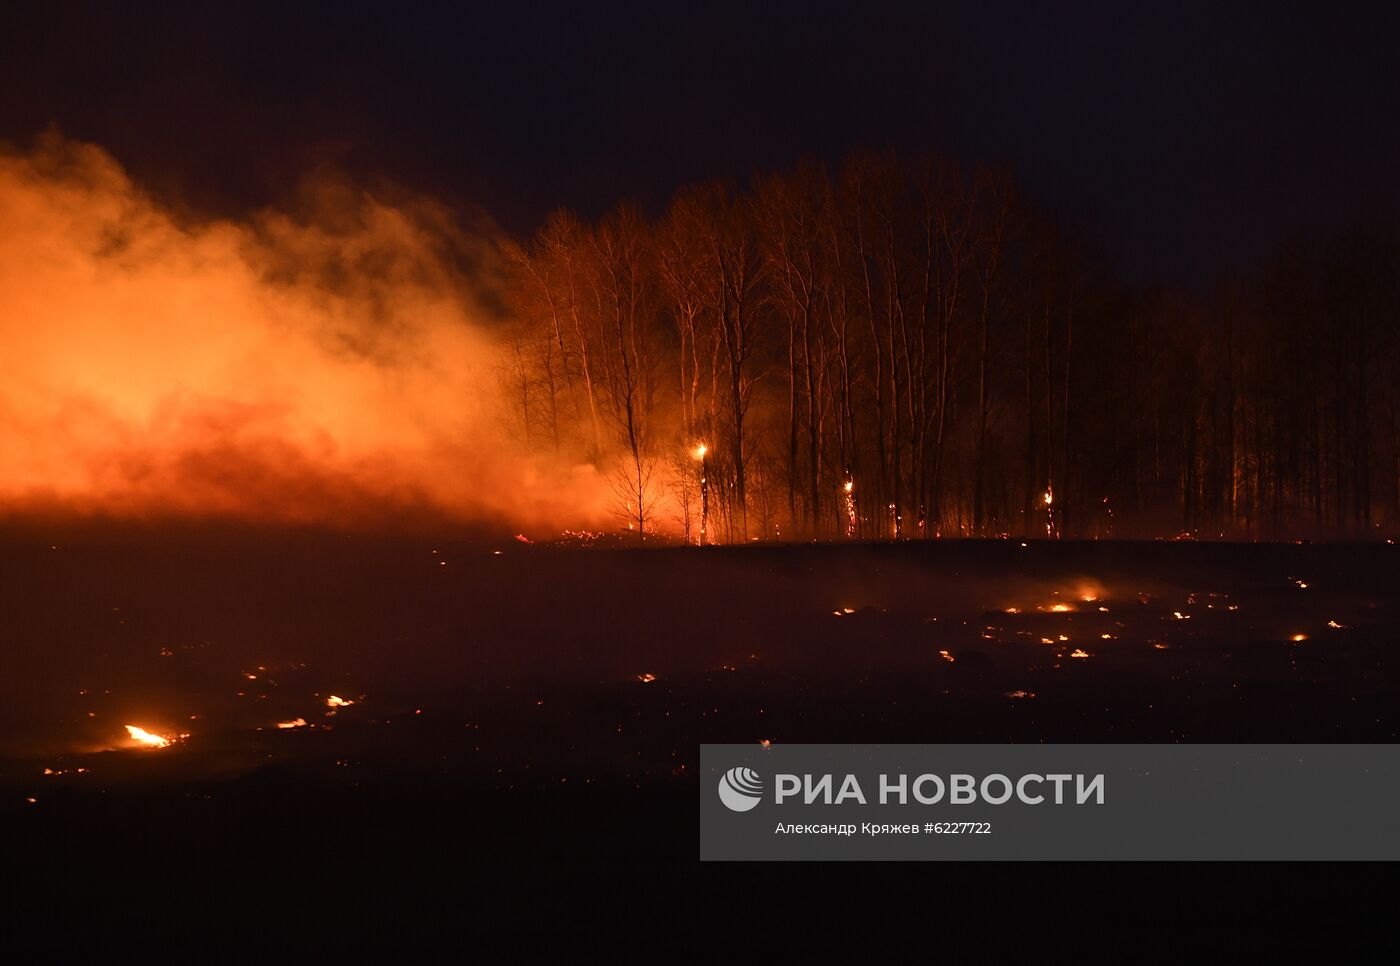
x=1193 y=138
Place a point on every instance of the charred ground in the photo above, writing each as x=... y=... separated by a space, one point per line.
x=523 y=738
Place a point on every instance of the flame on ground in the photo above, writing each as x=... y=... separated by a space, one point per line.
x=146 y=738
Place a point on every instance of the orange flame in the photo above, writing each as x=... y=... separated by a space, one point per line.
x=147 y=738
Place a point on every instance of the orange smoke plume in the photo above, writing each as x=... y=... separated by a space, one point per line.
x=333 y=365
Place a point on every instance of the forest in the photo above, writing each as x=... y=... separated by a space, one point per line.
x=907 y=348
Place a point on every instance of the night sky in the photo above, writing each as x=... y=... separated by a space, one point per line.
x=1182 y=141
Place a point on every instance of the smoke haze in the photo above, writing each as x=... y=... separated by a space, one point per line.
x=333 y=362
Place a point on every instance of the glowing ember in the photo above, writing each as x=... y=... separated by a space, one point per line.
x=1079 y=652
x=646 y=678
x=294 y=723
x=1016 y=695
x=1060 y=608
x=946 y=656
x=335 y=701
x=1335 y=626
x=146 y=738
x=1013 y=610
x=1299 y=637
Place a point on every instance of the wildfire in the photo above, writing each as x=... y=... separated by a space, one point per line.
x=294 y=723
x=146 y=738
x=1089 y=591
x=848 y=494
x=699 y=453
x=335 y=701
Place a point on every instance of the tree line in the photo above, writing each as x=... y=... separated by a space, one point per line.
x=903 y=348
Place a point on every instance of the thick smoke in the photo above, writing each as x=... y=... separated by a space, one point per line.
x=330 y=364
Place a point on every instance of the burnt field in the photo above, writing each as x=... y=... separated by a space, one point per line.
x=494 y=738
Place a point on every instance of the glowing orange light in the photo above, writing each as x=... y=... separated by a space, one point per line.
x=147 y=738
x=294 y=723
x=335 y=701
